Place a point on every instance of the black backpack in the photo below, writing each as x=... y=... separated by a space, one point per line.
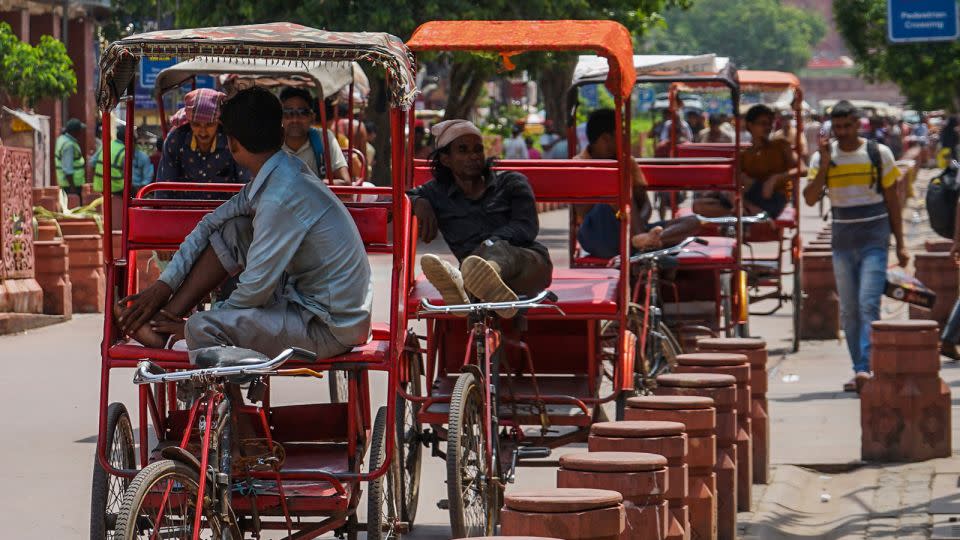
x=942 y=195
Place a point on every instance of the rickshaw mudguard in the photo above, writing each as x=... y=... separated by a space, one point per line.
x=175 y=453
x=627 y=361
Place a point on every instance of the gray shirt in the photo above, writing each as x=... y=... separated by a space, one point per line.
x=303 y=235
x=308 y=155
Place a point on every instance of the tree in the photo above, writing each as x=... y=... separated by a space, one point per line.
x=927 y=73
x=31 y=73
x=756 y=34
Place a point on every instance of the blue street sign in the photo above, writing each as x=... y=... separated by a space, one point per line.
x=922 y=20
x=590 y=96
x=645 y=98
x=150 y=67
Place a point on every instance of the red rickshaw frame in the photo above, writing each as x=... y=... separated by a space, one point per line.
x=282 y=42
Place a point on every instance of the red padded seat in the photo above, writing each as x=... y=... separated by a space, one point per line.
x=717 y=252
x=374 y=351
x=580 y=292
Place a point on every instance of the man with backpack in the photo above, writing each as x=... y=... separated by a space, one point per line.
x=860 y=178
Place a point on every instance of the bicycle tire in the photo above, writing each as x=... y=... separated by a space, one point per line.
x=466 y=435
x=797 y=302
x=382 y=514
x=107 y=491
x=409 y=447
x=132 y=519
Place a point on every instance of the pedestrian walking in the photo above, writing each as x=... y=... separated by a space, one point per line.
x=860 y=178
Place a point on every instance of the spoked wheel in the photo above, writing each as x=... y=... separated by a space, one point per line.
x=409 y=449
x=339 y=385
x=107 y=493
x=472 y=490
x=383 y=516
x=161 y=502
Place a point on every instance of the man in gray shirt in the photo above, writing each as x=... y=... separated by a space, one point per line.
x=303 y=274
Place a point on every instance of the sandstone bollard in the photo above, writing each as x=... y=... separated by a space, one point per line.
x=53 y=274
x=571 y=514
x=722 y=389
x=641 y=478
x=820 y=311
x=905 y=410
x=700 y=424
x=756 y=351
x=663 y=438
x=738 y=366
x=86 y=273
x=940 y=274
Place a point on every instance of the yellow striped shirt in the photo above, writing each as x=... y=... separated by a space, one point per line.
x=850 y=180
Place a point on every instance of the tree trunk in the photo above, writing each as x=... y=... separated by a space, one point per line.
x=466 y=82
x=378 y=112
x=554 y=82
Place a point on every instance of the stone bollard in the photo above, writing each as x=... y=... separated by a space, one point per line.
x=641 y=478
x=52 y=269
x=568 y=513
x=722 y=389
x=941 y=245
x=86 y=273
x=820 y=310
x=939 y=273
x=738 y=366
x=905 y=407
x=700 y=424
x=663 y=438
x=47 y=230
x=756 y=351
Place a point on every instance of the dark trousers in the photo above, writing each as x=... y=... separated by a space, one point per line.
x=526 y=271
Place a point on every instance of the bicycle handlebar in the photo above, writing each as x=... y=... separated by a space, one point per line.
x=149 y=373
x=526 y=303
x=762 y=217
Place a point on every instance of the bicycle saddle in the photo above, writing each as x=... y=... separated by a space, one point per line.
x=219 y=357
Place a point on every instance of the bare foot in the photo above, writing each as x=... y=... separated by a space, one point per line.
x=647 y=240
x=168 y=324
x=144 y=335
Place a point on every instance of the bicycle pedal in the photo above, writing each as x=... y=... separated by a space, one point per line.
x=533 y=452
x=443 y=504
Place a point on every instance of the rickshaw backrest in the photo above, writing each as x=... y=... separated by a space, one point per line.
x=702 y=150
x=698 y=173
x=554 y=180
x=166 y=228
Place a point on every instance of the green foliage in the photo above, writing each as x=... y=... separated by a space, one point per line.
x=756 y=34
x=31 y=73
x=926 y=72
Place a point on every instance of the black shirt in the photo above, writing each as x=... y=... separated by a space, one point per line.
x=506 y=211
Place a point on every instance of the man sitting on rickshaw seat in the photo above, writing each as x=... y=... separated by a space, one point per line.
x=196 y=151
x=599 y=232
x=766 y=168
x=303 y=274
x=304 y=141
x=488 y=219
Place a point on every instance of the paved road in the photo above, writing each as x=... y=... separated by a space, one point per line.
x=49 y=386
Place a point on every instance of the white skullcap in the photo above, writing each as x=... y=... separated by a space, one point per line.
x=449 y=130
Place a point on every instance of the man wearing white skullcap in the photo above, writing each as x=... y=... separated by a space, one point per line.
x=488 y=219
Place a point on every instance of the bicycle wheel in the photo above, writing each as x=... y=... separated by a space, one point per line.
x=409 y=449
x=473 y=504
x=107 y=491
x=382 y=514
x=339 y=385
x=161 y=502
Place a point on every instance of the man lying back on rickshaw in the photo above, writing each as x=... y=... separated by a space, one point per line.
x=488 y=219
x=303 y=278
x=599 y=232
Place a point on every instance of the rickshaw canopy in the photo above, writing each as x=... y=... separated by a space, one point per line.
x=607 y=39
x=285 y=44
x=772 y=80
x=331 y=77
x=593 y=69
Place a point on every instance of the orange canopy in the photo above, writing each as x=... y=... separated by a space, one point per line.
x=767 y=79
x=605 y=38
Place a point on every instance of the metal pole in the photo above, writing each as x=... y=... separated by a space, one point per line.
x=64 y=37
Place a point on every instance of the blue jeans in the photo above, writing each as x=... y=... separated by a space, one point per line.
x=861 y=274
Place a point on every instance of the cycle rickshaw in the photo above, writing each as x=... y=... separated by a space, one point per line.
x=224 y=465
x=331 y=80
x=500 y=392
x=708 y=292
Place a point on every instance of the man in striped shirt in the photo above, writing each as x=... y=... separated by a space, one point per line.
x=860 y=179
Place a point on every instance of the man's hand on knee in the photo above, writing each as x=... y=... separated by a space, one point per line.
x=143 y=306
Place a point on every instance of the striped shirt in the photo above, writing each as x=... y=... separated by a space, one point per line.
x=850 y=180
